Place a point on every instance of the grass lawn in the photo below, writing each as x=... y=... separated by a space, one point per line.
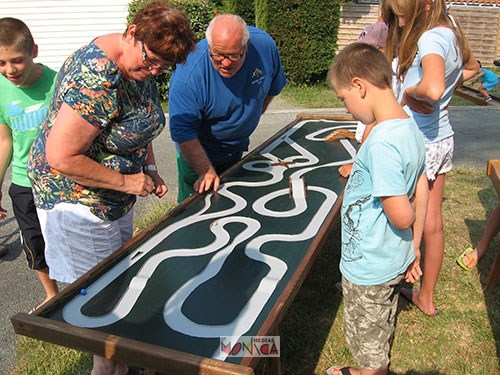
x=463 y=340
x=322 y=96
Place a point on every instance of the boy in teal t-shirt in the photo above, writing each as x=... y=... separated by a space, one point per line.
x=488 y=79
x=383 y=208
x=26 y=89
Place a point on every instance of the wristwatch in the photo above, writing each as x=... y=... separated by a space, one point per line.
x=149 y=167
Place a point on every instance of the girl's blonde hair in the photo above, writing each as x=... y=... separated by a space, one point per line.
x=420 y=16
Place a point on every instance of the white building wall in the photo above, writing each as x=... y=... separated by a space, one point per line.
x=62 y=26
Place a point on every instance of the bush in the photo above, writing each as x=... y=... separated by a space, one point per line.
x=305 y=32
x=244 y=8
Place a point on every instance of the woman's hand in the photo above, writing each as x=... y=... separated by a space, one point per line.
x=138 y=184
x=160 y=187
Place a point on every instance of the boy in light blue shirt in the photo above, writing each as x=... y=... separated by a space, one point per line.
x=488 y=79
x=383 y=208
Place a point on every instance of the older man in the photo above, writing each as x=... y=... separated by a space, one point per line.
x=217 y=97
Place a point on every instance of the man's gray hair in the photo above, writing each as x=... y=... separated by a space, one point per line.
x=228 y=17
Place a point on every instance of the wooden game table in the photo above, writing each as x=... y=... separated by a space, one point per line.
x=224 y=264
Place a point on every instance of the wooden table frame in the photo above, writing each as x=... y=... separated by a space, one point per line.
x=156 y=358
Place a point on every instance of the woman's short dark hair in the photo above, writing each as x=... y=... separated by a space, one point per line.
x=165 y=30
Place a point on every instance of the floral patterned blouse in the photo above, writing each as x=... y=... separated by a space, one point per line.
x=129 y=115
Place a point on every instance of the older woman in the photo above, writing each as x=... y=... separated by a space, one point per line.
x=93 y=155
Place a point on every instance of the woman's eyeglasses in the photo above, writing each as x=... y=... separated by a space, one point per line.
x=161 y=69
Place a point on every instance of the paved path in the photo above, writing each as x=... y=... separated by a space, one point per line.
x=477 y=133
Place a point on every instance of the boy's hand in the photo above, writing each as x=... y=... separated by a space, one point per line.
x=414 y=272
x=345 y=170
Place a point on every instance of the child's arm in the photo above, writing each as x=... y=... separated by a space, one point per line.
x=421 y=97
x=399 y=210
x=476 y=77
x=420 y=199
x=471 y=68
x=5 y=158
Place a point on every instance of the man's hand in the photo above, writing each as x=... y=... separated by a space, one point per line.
x=207 y=181
x=198 y=159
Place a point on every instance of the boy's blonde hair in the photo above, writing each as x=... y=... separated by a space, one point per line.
x=15 y=34
x=360 y=60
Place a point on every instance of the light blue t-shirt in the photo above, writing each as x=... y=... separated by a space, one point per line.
x=441 y=41
x=223 y=112
x=388 y=164
x=489 y=79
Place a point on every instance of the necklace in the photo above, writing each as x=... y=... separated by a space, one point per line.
x=143 y=103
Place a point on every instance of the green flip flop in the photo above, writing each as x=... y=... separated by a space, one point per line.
x=460 y=259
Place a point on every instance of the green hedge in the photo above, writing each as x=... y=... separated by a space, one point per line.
x=305 y=32
x=244 y=8
x=200 y=12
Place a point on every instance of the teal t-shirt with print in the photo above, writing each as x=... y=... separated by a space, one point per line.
x=24 y=109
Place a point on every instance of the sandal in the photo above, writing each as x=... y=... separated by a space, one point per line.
x=472 y=261
x=343 y=370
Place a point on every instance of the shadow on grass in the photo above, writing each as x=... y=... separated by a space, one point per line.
x=10 y=239
x=488 y=198
x=414 y=372
x=305 y=327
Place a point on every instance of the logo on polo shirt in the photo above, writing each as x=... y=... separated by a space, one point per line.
x=257 y=76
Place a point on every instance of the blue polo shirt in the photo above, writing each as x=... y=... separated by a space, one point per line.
x=223 y=112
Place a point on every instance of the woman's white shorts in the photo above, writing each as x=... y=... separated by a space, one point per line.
x=76 y=240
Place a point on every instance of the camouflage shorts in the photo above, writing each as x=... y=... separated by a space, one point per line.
x=369 y=320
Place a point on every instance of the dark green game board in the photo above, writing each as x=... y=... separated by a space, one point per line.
x=222 y=264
